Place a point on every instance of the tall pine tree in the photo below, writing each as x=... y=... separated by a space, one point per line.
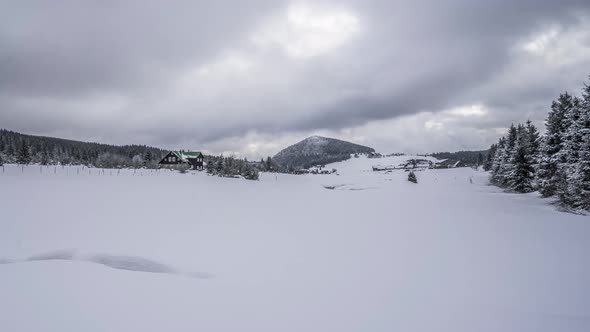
x=568 y=156
x=520 y=178
x=505 y=167
x=24 y=154
x=487 y=165
x=549 y=161
x=579 y=176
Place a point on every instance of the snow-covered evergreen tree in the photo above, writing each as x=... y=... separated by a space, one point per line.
x=497 y=162
x=581 y=177
x=10 y=150
x=210 y=165
x=501 y=175
x=44 y=160
x=568 y=156
x=534 y=143
x=487 y=165
x=137 y=161
x=549 y=161
x=479 y=160
x=24 y=153
x=578 y=177
x=148 y=159
x=521 y=175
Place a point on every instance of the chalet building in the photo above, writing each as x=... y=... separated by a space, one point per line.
x=179 y=158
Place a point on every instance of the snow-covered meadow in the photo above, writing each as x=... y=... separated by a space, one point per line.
x=103 y=250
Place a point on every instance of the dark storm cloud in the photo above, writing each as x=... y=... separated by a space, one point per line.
x=202 y=71
x=70 y=47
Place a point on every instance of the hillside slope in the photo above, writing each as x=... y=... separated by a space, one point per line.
x=318 y=150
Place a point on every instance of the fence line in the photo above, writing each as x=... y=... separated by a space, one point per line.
x=81 y=170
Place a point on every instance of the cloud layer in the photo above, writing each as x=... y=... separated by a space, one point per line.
x=252 y=76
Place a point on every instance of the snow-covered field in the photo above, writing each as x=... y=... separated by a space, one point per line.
x=94 y=250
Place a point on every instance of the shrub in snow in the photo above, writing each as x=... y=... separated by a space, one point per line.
x=412 y=177
x=183 y=168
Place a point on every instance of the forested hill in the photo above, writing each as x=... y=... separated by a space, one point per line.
x=318 y=150
x=16 y=147
x=469 y=158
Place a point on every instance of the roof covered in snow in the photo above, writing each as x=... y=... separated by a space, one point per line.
x=186 y=155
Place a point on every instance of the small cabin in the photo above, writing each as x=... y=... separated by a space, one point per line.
x=178 y=158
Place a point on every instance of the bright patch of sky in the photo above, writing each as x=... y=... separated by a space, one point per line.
x=305 y=30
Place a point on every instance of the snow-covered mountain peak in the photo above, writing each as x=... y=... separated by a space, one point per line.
x=318 y=150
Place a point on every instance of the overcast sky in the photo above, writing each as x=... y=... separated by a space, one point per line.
x=251 y=77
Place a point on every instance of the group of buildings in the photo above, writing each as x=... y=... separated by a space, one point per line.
x=417 y=164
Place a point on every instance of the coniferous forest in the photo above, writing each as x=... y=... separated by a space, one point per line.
x=557 y=164
x=469 y=158
x=27 y=149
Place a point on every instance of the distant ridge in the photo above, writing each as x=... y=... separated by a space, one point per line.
x=318 y=150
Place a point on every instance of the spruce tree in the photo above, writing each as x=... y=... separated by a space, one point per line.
x=210 y=165
x=24 y=153
x=579 y=177
x=549 y=161
x=148 y=158
x=505 y=166
x=520 y=178
x=533 y=143
x=569 y=154
x=10 y=150
x=487 y=165
x=219 y=165
x=497 y=162
x=44 y=158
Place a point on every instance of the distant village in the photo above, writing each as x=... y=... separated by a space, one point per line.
x=421 y=164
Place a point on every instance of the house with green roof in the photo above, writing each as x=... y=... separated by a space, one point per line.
x=174 y=159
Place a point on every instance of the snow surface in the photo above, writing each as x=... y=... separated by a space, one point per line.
x=109 y=250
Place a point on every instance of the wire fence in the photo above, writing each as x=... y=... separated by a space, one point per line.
x=81 y=170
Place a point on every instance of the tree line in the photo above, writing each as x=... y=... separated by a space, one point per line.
x=27 y=149
x=557 y=164
x=468 y=158
x=231 y=167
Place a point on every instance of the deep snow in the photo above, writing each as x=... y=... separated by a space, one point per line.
x=160 y=251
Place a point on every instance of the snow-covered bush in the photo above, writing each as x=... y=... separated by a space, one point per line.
x=412 y=177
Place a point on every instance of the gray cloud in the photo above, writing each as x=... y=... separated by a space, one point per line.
x=203 y=73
